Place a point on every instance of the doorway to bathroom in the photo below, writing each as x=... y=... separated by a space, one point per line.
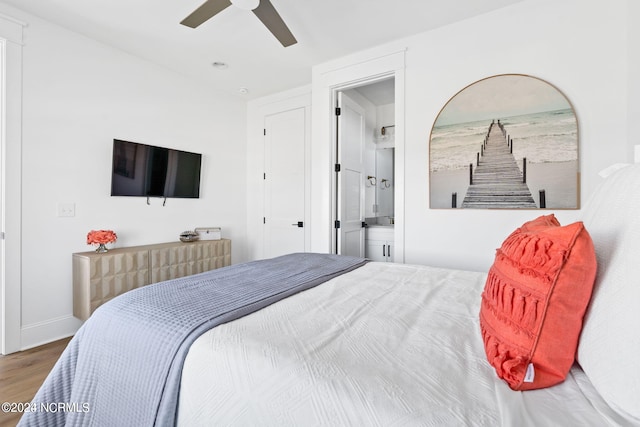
x=365 y=169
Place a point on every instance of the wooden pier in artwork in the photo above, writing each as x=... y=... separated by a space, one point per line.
x=496 y=181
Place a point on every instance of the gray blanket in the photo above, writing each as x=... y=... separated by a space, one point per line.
x=123 y=367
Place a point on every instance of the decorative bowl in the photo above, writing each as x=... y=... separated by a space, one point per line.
x=189 y=236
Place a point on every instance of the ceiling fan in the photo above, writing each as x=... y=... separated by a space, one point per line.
x=263 y=9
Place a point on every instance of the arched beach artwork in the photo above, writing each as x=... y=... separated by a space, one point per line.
x=505 y=142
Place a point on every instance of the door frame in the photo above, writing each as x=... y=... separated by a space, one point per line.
x=328 y=80
x=257 y=110
x=11 y=35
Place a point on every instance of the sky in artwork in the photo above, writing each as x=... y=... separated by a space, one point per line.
x=499 y=97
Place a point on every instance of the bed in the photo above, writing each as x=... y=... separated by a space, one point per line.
x=367 y=343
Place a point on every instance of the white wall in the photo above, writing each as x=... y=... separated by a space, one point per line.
x=553 y=40
x=582 y=48
x=77 y=96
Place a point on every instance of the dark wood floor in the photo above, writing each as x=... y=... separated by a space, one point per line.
x=21 y=374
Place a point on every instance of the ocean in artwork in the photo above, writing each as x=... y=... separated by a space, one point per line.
x=542 y=137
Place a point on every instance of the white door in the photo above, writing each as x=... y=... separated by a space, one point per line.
x=350 y=212
x=284 y=178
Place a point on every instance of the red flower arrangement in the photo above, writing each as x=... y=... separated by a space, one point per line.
x=101 y=237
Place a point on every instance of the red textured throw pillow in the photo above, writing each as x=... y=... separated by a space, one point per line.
x=534 y=301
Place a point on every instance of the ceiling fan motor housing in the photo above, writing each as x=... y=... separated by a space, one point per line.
x=246 y=4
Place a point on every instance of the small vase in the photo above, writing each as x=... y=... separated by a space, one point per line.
x=102 y=249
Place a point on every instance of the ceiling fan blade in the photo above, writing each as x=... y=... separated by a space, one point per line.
x=274 y=23
x=206 y=11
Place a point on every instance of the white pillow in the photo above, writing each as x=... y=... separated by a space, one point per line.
x=609 y=348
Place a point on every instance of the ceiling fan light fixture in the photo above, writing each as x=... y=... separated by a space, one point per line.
x=246 y=4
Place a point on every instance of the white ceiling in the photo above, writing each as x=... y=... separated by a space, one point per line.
x=379 y=93
x=325 y=30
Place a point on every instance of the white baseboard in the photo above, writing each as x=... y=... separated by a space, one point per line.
x=51 y=330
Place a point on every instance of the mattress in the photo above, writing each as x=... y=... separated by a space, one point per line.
x=386 y=344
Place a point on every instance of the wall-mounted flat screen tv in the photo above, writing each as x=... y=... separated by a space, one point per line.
x=148 y=171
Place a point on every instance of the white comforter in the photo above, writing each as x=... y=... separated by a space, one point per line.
x=384 y=345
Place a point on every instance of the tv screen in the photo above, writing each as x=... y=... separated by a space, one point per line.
x=149 y=171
